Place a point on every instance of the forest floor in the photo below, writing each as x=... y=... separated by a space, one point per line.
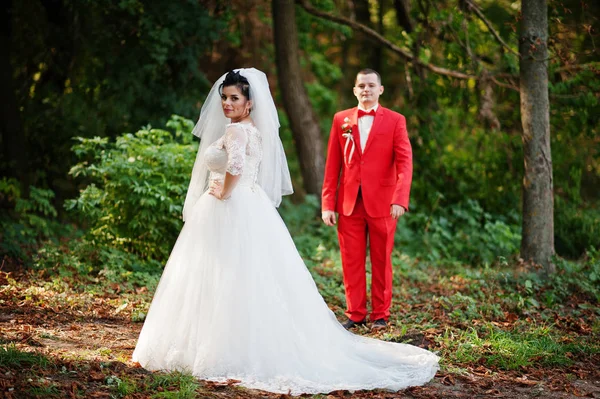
x=62 y=338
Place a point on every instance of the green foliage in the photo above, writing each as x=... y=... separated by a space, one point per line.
x=576 y=227
x=87 y=260
x=304 y=223
x=531 y=291
x=28 y=220
x=463 y=308
x=574 y=118
x=136 y=188
x=463 y=232
x=314 y=57
x=457 y=154
x=132 y=206
x=579 y=278
x=454 y=156
x=98 y=68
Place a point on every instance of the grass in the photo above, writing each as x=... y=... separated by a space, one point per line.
x=11 y=357
x=185 y=391
x=513 y=350
x=121 y=386
x=45 y=392
x=175 y=379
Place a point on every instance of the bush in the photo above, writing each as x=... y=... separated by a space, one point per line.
x=28 y=221
x=88 y=261
x=304 y=223
x=579 y=278
x=573 y=279
x=463 y=232
x=575 y=228
x=136 y=187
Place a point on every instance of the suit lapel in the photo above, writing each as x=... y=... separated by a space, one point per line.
x=355 y=132
x=375 y=128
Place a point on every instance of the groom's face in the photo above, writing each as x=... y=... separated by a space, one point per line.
x=367 y=89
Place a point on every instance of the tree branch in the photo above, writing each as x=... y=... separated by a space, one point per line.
x=505 y=85
x=376 y=36
x=592 y=66
x=490 y=27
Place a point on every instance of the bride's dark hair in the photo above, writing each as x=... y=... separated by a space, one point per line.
x=234 y=78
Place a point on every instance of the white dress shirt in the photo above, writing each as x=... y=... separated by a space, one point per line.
x=364 y=125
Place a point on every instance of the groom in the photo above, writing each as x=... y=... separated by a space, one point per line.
x=369 y=145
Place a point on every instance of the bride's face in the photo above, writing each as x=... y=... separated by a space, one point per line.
x=235 y=105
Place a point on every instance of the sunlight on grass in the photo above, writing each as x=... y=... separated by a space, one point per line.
x=510 y=350
x=123 y=357
x=104 y=351
x=78 y=355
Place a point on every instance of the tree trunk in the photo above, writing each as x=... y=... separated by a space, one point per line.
x=367 y=53
x=538 y=203
x=378 y=61
x=14 y=152
x=303 y=121
x=403 y=15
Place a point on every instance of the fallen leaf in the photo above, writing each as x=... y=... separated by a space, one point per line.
x=448 y=380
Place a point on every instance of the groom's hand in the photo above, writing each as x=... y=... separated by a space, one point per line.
x=396 y=211
x=328 y=217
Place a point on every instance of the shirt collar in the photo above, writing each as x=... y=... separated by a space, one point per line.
x=374 y=108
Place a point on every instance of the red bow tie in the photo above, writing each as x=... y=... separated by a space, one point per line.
x=362 y=113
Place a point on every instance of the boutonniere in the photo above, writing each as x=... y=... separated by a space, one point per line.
x=347 y=134
x=346 y=127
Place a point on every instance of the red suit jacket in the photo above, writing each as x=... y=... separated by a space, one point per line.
x=383 y=170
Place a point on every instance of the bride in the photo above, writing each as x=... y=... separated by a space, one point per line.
x=235 y=300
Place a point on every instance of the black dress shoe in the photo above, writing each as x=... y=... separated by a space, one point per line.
x=379 y=324
x=348 y=324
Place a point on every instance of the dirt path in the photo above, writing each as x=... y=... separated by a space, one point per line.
x=84 y=342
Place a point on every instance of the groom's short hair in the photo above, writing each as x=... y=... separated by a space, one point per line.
x=368 y=71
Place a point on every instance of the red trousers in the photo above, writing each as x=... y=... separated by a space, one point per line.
x=353 y=232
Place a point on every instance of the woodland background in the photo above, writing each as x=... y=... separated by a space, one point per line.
x=98 y=101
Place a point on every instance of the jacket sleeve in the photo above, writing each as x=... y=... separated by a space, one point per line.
x=333 y=166
x=403 y=161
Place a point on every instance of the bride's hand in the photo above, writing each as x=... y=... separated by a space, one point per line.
x=216 y=190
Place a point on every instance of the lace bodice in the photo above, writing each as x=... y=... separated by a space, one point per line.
x=238 y=151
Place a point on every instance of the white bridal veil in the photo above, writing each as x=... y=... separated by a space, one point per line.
x=273 y=176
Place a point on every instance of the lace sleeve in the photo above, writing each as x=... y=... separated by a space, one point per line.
x=235 y=145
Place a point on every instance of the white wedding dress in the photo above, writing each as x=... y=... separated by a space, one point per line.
x=236 y=301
